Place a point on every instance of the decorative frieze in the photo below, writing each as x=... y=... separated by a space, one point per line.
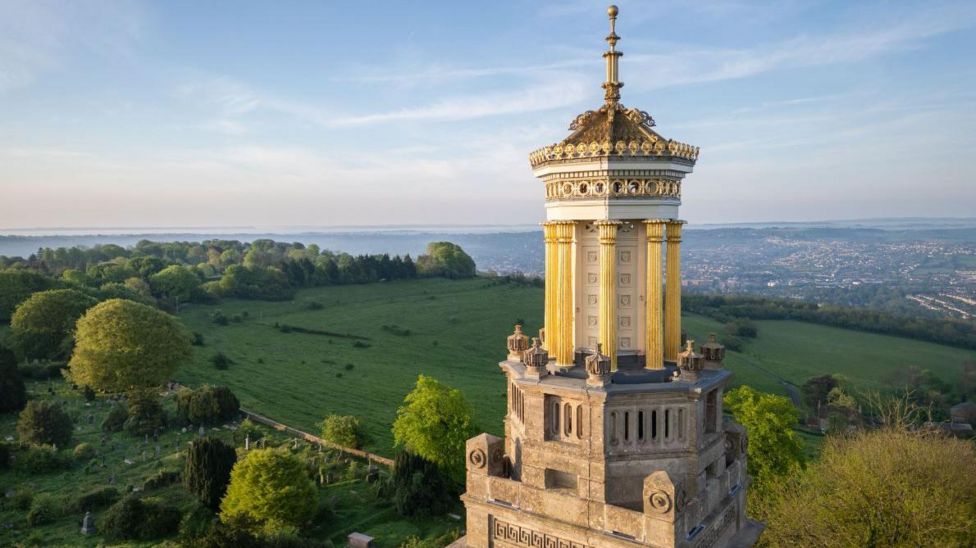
x=597 y=188
x=519 y=535
x=659 y=148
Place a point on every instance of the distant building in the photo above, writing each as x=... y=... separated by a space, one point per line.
x=614 y=436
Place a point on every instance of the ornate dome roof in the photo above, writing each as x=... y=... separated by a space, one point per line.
x=613 y=130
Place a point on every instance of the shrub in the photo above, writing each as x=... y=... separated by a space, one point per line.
x=197 y=339
x=44 y=422
x=145 y=413
x=116 y=418
x=742 y=327
x=313 y=305
x=23 y=496
x=220 y=361
x=84 y=451
x=162 y=478
x=207 y=405
x=206 y=472
x=420 y=489
x=196 y=524
x=349 y=367
x=39 y=459
x=133 y=518
x=343 y=430
x=219 y=318
x=247 y=429
x=272 y=488
x=88 y=393
x=13 y=394
x=41 y=370
x=361 y=344
x=95 y=499
x=44 y=508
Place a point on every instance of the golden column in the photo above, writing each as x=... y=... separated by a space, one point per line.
x=565 y=234
x=551 y=334
x=654 y=335
x=608 y=289
x=672 y=297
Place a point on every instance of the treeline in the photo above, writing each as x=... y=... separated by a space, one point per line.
x=172 y=273
x=727 y=308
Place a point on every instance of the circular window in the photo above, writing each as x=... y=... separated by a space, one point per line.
x=598 y=188
x=567 y=189
x=633 y=187
x=584 y=188
x=617 y=187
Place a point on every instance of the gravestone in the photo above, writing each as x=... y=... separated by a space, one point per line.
x=87 y=527
x=359 y=540
x=203 y=431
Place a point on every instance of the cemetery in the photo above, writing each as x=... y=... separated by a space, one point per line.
x=61 y=495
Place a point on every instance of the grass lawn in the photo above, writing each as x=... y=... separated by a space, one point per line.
x=457 y=333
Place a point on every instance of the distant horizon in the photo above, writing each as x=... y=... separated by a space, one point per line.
x=299 y=228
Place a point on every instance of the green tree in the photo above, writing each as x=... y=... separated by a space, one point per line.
x=420 y=487
x=175 y=282
x=888 y=487
x=13 y=394
x=17 y=285
x=43 y=422
x=271 y=488
x=343 y=430
x=122 y=344
x=206 y=472
x=42 y=325
x=773 y=449
x=435 y=422
x=445 y=259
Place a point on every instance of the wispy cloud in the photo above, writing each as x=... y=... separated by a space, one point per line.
x=685 y=65
x=537 y=97
x=38 y=35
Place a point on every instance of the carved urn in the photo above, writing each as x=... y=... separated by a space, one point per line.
x=536 y=359
x=598 y=371
x=713 y=352
x=690 y=363
x=517 y=344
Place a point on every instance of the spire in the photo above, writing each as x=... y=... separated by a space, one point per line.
x=612 y=85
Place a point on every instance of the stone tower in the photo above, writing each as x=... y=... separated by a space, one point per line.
x=614 y=436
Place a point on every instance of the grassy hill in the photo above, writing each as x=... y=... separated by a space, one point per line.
x=455 y=331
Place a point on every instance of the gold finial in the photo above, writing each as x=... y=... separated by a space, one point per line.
x=612 y=85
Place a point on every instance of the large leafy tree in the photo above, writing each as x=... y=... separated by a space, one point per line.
x=13 y=394
x=175 y=282
x=435 y=422
x=271 y=489
x=773 y=449
x=445 y=259
x=122 y=345
x=17 y=285
x=42 y=325
x=889 y=487
x=206 y=473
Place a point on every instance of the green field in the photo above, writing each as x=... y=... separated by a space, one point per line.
x=457 y=334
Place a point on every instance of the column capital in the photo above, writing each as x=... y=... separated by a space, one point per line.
x=655 y=229
x=565 y=231
x=607 y=231
x=674 y=230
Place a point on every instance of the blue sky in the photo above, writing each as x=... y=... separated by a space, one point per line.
x=191 y=113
